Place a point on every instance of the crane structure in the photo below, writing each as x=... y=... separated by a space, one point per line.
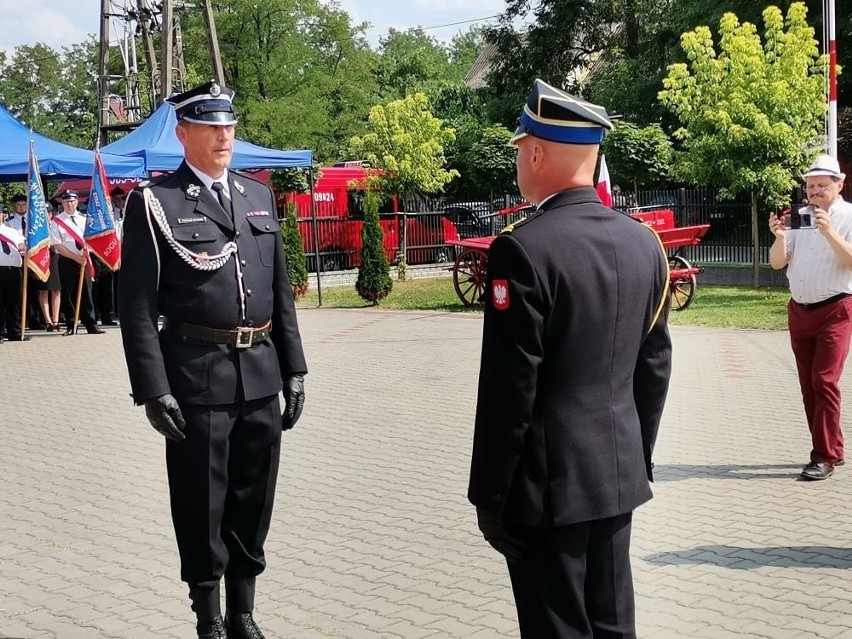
x=131 y=26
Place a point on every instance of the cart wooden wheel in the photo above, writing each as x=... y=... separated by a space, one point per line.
x=681 y=287
x=469 y=275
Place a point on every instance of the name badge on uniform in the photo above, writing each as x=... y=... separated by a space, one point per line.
x=257 y=214
x=190 y=220
x=500 y=294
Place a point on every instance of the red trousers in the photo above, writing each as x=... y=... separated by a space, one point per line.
x=820 y=340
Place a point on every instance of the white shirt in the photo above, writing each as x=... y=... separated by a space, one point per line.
x=14 y=256
x=17 y=222
x=208 y=181
x=814 y=272
x=76 y=219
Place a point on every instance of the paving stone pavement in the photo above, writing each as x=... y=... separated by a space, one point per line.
x=372 y=535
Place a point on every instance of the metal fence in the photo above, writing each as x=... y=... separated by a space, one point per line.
x=333 y=241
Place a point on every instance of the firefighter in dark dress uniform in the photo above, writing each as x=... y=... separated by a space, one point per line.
x=209 y=380
x=574 y=373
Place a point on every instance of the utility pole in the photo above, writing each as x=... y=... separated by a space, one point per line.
x=103 y=82
x=167 y=51
x=120 y=103
x=213 y=42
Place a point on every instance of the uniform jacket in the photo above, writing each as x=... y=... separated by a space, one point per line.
x=576 y=358
x=196 y=372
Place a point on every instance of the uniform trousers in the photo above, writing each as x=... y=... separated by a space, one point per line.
x=575 y=581
x=10 y=301
x=222 y=486
x=69 y=274
x=820 y=338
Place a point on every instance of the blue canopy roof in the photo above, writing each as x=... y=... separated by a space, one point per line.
x=156 y=143
x=55 y=159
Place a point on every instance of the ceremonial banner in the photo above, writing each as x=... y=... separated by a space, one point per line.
x=100 y=234
x=604 y=187
x=38 y=229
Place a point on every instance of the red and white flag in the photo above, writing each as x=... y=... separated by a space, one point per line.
x=604 y=186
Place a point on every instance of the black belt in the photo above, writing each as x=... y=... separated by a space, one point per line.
x=14 y=267
x=825 y=302
x=240 y=337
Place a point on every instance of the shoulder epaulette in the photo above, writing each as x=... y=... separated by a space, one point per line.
x=511 y=227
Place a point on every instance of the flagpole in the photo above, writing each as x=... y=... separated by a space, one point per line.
x=79 y=295
x=831 y=50
x=25 y=272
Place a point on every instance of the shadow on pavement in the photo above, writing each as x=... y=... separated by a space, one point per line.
x=750 y=558
x=678 y=472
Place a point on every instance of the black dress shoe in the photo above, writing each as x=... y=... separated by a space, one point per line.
x=94 y=330
x=242 y=626
x=817 y=470
x=213 y=629
x=21 y=338
x=109 y=323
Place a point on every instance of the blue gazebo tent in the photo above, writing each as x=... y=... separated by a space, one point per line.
x=156 y=143
x=56 y=161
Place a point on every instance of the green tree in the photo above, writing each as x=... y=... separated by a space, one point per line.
x=411 y=61
x=750 y=110
x=374 y=281
x=638 y=156
x=491 y=162
x=29 y=82
x=302 y=71
x=406 y=143
x=294 y=249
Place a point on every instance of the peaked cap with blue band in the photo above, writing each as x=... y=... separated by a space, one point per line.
x=209 y=103
x=551 y=114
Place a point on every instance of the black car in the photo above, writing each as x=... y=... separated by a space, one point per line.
x=472 y=219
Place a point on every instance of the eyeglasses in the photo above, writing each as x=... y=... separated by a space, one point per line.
x=819 y=187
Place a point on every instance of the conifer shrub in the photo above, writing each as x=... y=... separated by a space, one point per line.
x=374 y=281
x=294 y=249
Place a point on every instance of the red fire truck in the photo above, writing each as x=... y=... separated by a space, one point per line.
x=338 y=199
x=340 y=216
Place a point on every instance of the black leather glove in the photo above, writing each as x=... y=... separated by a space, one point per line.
x=164 y=414
x=294 y=398
x=494 y=530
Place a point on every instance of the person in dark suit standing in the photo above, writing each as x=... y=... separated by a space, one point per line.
x=209 y=380
x=576 y=358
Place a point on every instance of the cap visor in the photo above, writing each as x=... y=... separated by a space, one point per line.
x=215 y=118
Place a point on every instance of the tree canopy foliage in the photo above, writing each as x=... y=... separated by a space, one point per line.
x=307 y=76
x=748 y=109
x=405 y=142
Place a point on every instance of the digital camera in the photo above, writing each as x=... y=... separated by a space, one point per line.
x=804 y=219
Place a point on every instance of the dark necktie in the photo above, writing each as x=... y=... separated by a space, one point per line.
x=24 y=226
x=73 y=219
x=224 y=200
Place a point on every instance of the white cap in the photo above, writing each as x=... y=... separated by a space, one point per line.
x=825 y=165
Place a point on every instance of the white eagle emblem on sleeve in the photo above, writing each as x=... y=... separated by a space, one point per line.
x=500 y=294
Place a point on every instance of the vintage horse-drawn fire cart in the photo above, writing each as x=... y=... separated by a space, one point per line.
x=471 y=264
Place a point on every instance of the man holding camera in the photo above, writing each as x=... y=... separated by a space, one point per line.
x=818 y=258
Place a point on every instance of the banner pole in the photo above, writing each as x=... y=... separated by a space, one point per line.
x=79 y=295
x=24 y=272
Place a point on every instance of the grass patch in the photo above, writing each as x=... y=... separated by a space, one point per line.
x=735 y=307
x=720 y=306
x=427 y=294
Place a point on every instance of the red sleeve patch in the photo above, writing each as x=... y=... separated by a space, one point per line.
x=500 y=294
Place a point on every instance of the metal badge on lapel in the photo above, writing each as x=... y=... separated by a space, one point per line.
x=239 y=187
x=193 y=191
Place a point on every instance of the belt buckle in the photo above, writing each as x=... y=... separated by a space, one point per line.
x=245 y=336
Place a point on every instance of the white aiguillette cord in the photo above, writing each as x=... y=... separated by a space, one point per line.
x=154 y=209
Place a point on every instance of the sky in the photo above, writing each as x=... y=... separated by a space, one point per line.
x=54 y=22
